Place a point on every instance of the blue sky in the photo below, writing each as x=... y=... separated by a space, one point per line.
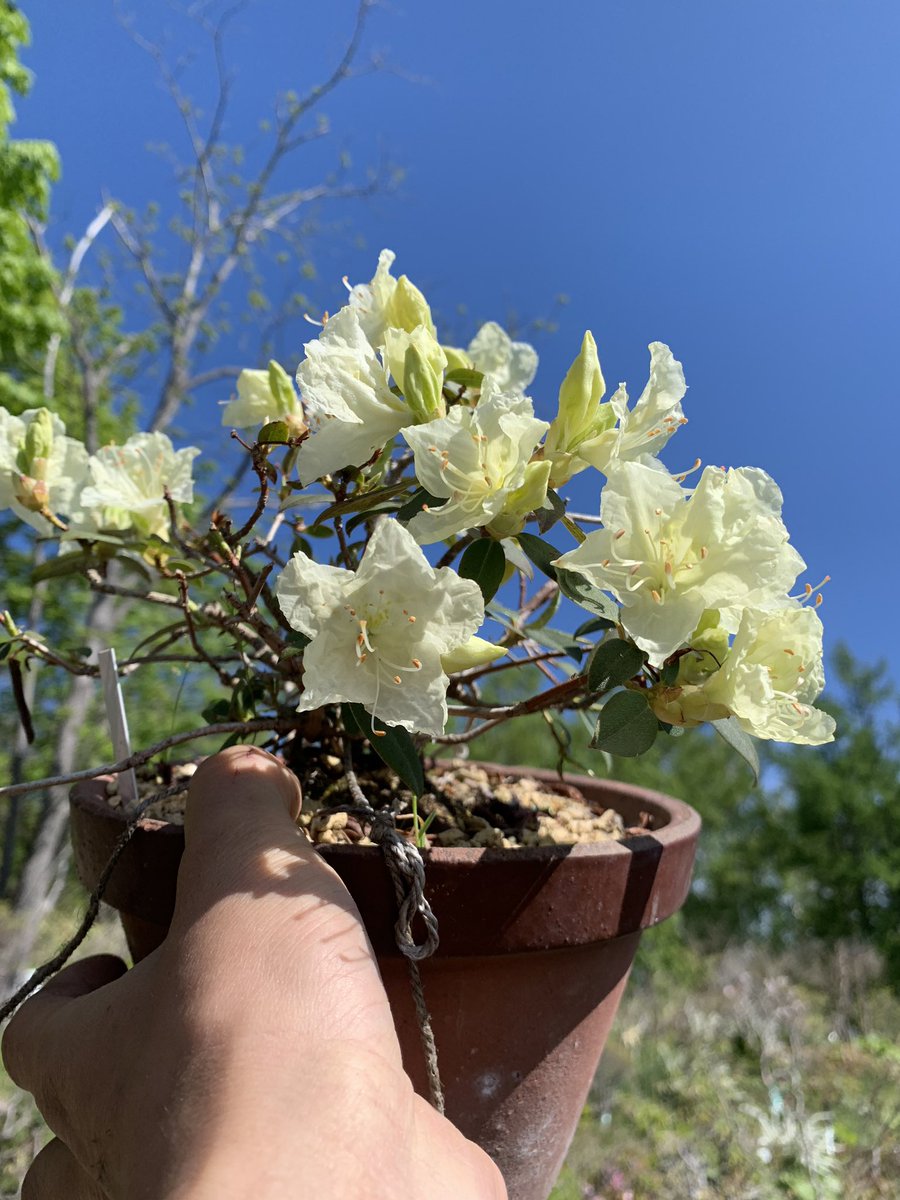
x=718 y=176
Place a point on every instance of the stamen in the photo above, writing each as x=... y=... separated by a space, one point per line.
x=656 y=596
x=704 y=551
x=346 y=282
x=417 y=663
x=397 y=679
x=618 y=535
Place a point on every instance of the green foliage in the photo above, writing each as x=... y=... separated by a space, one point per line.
x=28 y=315
x=485 y=563
x=738 y=1075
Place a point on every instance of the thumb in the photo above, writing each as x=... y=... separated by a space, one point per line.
x=237 y=789
x=257 y=903
x=241 y=836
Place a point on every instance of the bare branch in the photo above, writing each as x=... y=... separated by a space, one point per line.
x=212 y=376
x=141 y=256
x=274 y=724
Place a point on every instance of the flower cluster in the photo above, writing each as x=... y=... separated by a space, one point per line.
x=400 y=474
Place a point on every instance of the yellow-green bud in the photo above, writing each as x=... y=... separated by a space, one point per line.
x=457 y=360
x=282 y=388
x=38 y=445
x=687 y=706
x=522 y=500
x=408 y=308
x=476 y=652
x=417 y=363
x=709 y=649
x=582 y=389
x=581 y=415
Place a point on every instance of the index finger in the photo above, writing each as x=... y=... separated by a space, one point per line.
x=34 y=1045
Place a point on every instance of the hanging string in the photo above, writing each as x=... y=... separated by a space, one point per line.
x=65 y=952
x=407 y=872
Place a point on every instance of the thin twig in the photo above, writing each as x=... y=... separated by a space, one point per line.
x=258 y=725
x=225 y=678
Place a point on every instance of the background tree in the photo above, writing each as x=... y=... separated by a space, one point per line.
x=132 y=318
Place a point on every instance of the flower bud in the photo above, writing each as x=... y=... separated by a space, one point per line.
x=408 y=308
x=282 y=389
x=417 y=364
x=37 y=446
x=522 y=501
x=33 y=493
x=687 y=706
x=581 y=416
x=476 y=652
x=709 y=649
x=457 y=360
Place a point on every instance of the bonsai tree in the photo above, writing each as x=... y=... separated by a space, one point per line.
x=410 y=541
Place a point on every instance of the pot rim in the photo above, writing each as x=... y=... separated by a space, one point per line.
x=674 y=821
x=487 y=901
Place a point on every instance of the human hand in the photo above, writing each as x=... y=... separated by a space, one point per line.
x=252 y=1054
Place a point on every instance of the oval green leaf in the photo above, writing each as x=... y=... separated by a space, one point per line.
x=394 y=746
x=613 y=662
x=729 y=731
x=626 y=727
x=484 y=562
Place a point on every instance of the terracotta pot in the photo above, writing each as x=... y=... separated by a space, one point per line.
x=536 y=947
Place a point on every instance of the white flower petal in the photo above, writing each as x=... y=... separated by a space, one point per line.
x=378 y=634
x=667 y=554
x=346 y=395
x=513 y=365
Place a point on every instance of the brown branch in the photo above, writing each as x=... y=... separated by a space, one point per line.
x=274 y=724
x=227 y=680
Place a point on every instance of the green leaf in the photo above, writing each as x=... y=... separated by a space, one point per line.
x=361 y=502
x=274 y=433
x=730 y=732
x=626 y=727
x=577 y=588
x=555 y=639
x=547 y=612
x=395 y=746
x=63 y=564
x=417 y=502
x=540 y=552
x=484 y=562
x=613 y=663
x=669 y=674
x=555 y=508
x=361 y=518
x=466 y=377
x=219 y=710
x=594 y=625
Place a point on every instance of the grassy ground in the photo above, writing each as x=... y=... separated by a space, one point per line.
x=740 y=1077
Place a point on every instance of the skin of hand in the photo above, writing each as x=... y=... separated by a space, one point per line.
x=253 y=1053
